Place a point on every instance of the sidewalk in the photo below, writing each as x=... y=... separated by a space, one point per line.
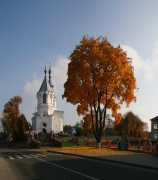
x=144 y=160
x=5 y=172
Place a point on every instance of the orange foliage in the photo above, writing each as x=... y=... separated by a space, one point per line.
x=12 y=107
x=118 y=118
x=11 y=115
x=87 y=124
x=99 y=71
x=100 y=77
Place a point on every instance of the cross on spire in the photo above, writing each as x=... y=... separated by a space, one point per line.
x=45 y=71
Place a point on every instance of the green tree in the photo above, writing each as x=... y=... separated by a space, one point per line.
x=79 y=129
x=67 y=128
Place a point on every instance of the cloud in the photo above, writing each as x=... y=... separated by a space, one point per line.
x=146 y=74
x=136 y=59
x=144 y=68
x=59 y=76
x=59 y=73
x=31 y=87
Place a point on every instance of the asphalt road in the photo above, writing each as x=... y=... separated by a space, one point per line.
x=36 y=165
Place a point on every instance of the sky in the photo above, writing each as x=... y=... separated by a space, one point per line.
x=35 y=33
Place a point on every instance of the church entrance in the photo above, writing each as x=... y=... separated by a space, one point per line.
x=44 y=126
x=44 y=132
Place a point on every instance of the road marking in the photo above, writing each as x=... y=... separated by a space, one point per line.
x=27 y=156
x=54 y=154
x=33 y=155
x=76 y=172
x=10 y=157
x=41 y=155
x=19 y=157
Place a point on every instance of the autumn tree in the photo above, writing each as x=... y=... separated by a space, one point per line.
x=13 y=123
x=87 y=124
x=131 y=125
x=100 y=77
x=23 y=127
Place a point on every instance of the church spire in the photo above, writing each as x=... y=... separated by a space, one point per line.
x=45 y=71
x=45 y=84
x=50 y=81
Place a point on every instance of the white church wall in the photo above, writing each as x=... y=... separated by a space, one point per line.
x=39 y=124
x=58 y=120
x=46 y=109
x=33 y=123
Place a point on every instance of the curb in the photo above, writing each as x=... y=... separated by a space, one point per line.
x=108 y=160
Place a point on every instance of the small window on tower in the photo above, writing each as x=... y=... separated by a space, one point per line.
x=51 y=98
x=44 y=98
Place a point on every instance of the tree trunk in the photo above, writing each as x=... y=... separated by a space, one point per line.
x=99 y=145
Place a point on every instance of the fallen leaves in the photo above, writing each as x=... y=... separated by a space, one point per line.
x=90 y=150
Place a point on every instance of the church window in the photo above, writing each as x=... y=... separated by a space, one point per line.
x=44 y=98
x=44 y=124
x=51 y=98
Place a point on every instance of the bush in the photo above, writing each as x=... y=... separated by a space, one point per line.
x=34 y=144
x=57 y=143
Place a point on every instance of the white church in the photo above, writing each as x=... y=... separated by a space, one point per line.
x=47 y=119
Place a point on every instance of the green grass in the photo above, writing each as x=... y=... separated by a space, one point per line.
x=69 y=144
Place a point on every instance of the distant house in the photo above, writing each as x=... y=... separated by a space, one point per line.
x=154 y=129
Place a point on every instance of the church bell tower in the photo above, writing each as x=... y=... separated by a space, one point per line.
x=46 y=100
x=47 y=118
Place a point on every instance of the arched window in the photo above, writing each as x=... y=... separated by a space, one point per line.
x=50 y=98
x=44 y=98
x=44 y=124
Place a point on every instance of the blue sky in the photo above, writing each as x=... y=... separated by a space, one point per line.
x=33 y=32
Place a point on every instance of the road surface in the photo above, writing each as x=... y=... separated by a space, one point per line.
x=26 y=164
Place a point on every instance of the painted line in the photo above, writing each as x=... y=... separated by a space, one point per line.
x=33 y=155
x=41 y=155
x=53 y=154
x=27 y=156
x=19 y=157
x=76 y=172
x=10 y=157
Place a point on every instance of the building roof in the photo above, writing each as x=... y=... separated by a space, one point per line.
x=154 y=119
x=46 y=84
